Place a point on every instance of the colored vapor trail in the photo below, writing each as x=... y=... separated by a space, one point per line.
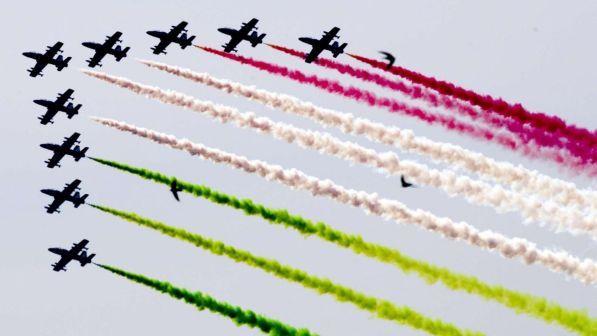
x=381 y=308
x=474 y=191
x=202 y=301
x=412 y=91
x=574 y=320
x=583 y=270
x=580 y=138
x=371 y=99
x=520 y=178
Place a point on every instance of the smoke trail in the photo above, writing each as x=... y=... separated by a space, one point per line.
x=381 y=308
x=585 y=270
x=415 y=92
x=550 y=124
x=393 y=105
x=202 y=301
x=503 y=172
x=574 y=320
x=476 y=192
x=541 y=136
x=371 y=99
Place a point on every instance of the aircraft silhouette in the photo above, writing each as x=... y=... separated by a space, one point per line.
x=106 y=48
x=174 y=189
x=248 y=32
x=65 y=149
x=42 y=60
x=171 y=37
x=324 y=43
x=404 y=183
x=59 y=105
x=77 y=252
x=65 y=195
x=389 y=57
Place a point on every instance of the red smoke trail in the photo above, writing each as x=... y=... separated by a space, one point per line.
x=392 y=105
x=550 y=124
x=585 y=153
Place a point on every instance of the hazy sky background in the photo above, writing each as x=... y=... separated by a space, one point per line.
x=537 y=52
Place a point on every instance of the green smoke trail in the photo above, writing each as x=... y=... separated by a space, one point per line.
x=575 y=320
x=202 y=301
x=381 y=308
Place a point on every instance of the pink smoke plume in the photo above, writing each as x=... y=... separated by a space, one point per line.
x=541 y=136
x=507 y=140
x=554 y=128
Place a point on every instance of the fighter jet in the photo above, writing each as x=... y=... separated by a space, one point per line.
x=325 y=43
x=174 y=189
x=171 y=37
x=248 y=32
x=65 y=149
x=59 y=105
x=389 y=57
x=106 y=48
x=65 y=195
x=404 y=183
x=77 y=252
x=42 y=60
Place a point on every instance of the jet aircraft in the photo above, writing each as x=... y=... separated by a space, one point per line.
x=248 y=32
x=77 y=252
x=65 y=149
x=324 y=43
x=59 y=105
x=50 y=56
x=109 y=47
x=69 y=193
x=178 y=35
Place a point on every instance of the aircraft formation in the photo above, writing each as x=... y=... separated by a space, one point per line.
x=113 y=46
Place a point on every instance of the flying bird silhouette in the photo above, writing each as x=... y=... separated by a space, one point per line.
x=174 y=189
x=389 y=57
x=404 y=183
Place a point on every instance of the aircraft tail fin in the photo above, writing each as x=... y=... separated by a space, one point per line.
x=86 y=259
x=80 y=153
x=186 y=41
x=338 y=49
x=256 y=39
x=122 y=53
x=73 y=110
x=79 y=199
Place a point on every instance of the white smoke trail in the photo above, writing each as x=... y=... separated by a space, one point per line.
x=560 y=261
x=477 y=192
x=518 y=177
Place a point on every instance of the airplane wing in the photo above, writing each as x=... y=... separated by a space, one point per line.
x=95 y=59
x=48 y=116
x=78 y=247
x=61 y=264
x=52 y=50
x=37 y=68
x=64 y=97
x=161 y=47
x=69 y=188
x=235 y=40
x=112 y=40
x=317 y=48
x=178 y=28
x=53 y=207
x=70 y=141
x=53 y=161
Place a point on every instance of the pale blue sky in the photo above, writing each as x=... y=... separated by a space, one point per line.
x=536 y=52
